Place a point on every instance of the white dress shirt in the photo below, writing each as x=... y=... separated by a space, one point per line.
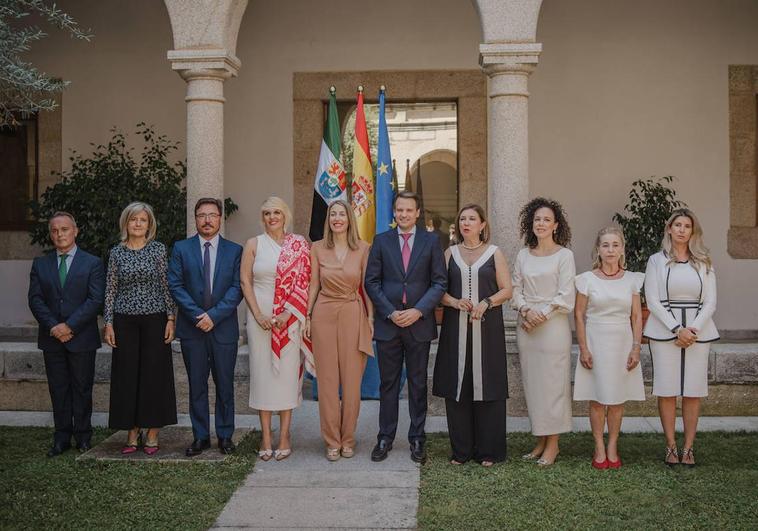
x=213 y=251
x=410 y=240
x=70 y=258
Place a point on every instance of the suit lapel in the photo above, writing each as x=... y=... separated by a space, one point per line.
x=53 y=261
x=418 y=246
x=219 y=258
x=394 y=248
x=195 y=252
x=75 y=265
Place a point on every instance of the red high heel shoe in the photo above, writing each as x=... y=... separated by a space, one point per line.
x=614 y=464
x=600 y=465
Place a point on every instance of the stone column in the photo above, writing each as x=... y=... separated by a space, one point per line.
x=205 y=38
x=205 y=122
x=508 y=67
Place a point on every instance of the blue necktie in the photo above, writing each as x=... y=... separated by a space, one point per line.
x=207 y=295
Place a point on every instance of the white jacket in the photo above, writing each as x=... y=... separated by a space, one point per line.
x=662 y=325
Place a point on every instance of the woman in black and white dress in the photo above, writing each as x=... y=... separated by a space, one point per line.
x=680 y=290
x=470 y=368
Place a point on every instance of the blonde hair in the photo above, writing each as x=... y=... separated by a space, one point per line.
x=484 y=235
x=352 y=229
x=277 y=203
x=132 y=209
x=699 y=253
x=596 y=260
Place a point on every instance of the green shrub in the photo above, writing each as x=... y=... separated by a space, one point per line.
x=97 y=188
x=651 y=202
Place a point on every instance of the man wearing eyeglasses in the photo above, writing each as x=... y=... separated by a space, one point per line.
x=204 y=279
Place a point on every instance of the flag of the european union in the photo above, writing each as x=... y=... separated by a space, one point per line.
x=385 y=194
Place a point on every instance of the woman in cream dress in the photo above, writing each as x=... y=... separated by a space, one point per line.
x=543 y=294
x=275 y=383
x=609 y=331
x=680 y=290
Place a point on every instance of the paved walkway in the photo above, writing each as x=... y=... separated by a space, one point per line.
x=305 y=491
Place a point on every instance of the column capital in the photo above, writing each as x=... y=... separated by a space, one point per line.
x=502 y=56
x=214 y=62
x=508 y=66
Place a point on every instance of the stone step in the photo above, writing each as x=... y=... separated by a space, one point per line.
x=18 y=333
x=733 y=377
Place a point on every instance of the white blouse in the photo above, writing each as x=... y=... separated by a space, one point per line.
x=544 y=283
x=609 y=301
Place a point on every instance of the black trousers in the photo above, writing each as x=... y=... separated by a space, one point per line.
x=391 y=355
x=70 y=376
x=476 y=428
x=142 y=374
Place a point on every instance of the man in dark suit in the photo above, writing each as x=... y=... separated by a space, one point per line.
x=405 y=278
x=66 y=291
x=204 y=279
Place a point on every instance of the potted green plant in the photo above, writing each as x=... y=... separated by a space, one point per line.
x=651 y=202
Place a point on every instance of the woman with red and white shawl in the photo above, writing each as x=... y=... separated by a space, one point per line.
x=274 y=276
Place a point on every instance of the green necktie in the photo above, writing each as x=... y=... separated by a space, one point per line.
x=63 y=269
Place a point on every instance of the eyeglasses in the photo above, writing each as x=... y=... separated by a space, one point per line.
x=207 y=216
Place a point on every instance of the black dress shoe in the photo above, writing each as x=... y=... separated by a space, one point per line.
x=418 y=452
x=84 y=446
x=225 y=445
x=197 y=447
x=381 y=450
x=57 y=449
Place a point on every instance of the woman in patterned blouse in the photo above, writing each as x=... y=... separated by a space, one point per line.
x=139 y=325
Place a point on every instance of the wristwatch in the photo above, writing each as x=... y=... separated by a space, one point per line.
x=488 y=301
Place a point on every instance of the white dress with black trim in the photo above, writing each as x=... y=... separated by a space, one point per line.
x=679 y=294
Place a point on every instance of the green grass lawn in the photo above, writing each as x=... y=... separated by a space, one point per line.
x=37 y=492
x=720 y=493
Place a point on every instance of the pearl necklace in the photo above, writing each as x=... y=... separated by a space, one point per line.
x=472 y=248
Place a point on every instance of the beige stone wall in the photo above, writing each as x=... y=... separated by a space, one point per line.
x=623 y=90
x=631 y=89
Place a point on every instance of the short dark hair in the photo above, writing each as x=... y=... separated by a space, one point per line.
x=407 y=195
x=210 y=201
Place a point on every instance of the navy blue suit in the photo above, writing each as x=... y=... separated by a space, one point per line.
x=214 y=352
x=70 y=366
x=424 y=284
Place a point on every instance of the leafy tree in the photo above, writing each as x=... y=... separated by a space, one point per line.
x=96 y=189
x=23 y=89
x=651 y=203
